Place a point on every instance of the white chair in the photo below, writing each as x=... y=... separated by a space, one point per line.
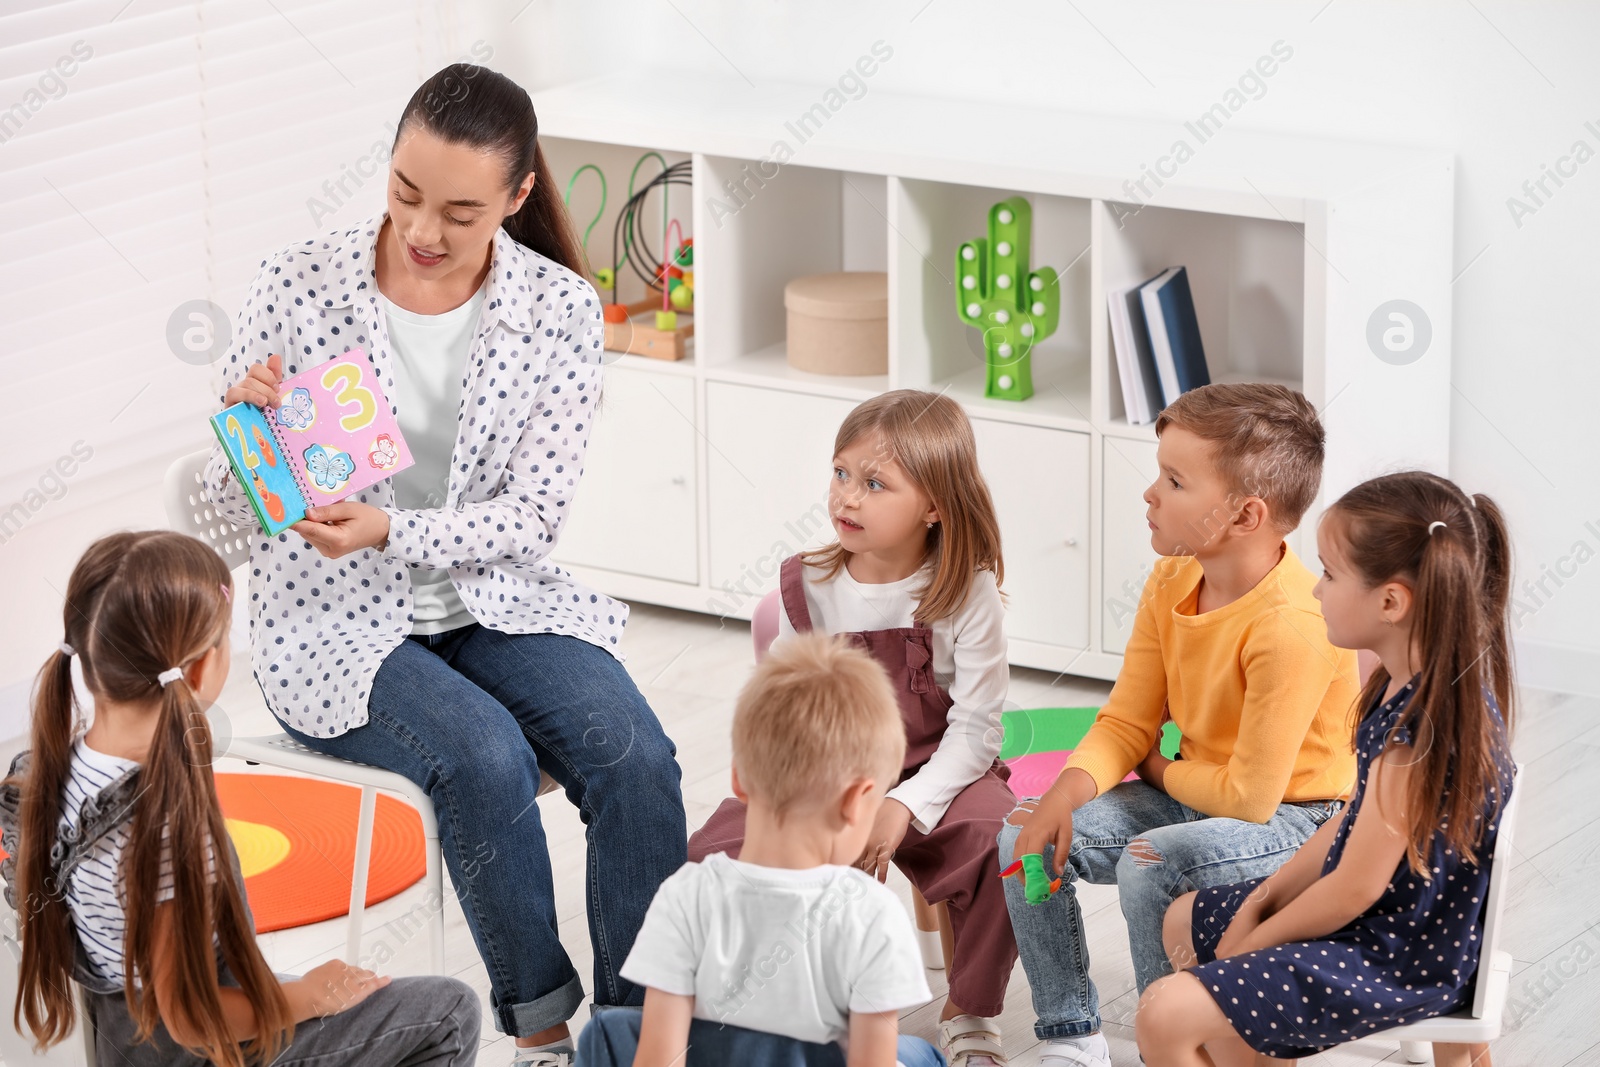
x=16 y=1048
x=190 y=511
x=1454 y=1036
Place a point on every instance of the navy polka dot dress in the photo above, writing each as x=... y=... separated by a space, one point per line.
x=1412 y=956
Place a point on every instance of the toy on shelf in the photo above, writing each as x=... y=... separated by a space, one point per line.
x=1038 y=885
x=661 y=324
x=605 y=277
x=1015 y=307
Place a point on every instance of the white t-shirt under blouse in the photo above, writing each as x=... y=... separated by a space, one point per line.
x=969 y=660
x=788 y=952
x=430 y=360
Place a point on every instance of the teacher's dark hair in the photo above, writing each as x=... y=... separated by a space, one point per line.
x=470 y=105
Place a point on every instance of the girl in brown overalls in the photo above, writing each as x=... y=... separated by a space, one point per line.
x=914 y=579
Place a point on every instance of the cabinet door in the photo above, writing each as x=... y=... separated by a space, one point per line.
x=1039 y=479
x=1126 y=556
x=635 y=507
x=767 y=491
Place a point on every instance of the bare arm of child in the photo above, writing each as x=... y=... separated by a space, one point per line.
x=873 y=1037
x=1281 y=887
x=324 y=990
x=664 y=1031
x=1376 y=845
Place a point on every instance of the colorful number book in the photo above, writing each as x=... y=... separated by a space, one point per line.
x=331 y=436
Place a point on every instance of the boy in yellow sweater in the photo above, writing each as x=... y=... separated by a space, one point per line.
x=1230 y=644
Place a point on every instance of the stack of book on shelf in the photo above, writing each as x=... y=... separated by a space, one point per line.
x=1157 y=341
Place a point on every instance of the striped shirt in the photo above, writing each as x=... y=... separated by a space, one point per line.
x=92 y=887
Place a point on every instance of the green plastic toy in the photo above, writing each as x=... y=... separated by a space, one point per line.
x=1037 y=885
x=997 y=293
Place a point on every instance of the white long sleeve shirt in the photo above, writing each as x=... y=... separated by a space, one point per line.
x=319 y=627
x=969 y=661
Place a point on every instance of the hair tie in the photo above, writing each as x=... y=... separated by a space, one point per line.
x=1434 y=525
x=226 y=595
x=66 y=650
x=170 y=675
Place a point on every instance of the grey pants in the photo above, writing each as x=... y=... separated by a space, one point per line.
x=411 y=1022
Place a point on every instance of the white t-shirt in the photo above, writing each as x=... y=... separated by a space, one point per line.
x=92 y=887
x=969 y=660
x=430 y=360
x=789 y=952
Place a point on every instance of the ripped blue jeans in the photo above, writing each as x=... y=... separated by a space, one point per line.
x=1153 y=849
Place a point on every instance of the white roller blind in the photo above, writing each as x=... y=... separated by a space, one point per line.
x=152 y=153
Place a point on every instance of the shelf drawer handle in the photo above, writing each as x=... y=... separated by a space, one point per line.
x=1072 y=542
x=678 y=479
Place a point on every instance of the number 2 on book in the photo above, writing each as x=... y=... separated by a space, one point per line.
x=340 y=380
x=251 y=460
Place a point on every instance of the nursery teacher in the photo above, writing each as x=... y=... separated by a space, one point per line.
x=420 y=626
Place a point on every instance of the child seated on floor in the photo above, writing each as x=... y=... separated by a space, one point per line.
x=785 y=955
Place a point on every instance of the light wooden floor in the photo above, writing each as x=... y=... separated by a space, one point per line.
x=690 y=667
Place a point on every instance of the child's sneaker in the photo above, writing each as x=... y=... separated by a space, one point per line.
x=971 y=1041
x=1090 y=1050
x=561 y=1056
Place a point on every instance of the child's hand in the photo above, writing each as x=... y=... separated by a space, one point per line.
x=1245 y=922
x=334 y=987
x=339 y=529
x=1049 y=823
x=888 y=830
x=259 y=386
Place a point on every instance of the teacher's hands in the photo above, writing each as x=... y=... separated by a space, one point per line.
x=259 y=386
x=339 y=529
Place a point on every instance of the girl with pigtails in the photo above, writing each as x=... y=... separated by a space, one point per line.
x=120 y=868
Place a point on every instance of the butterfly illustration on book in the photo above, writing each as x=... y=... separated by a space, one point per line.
x=297 y=411
x=384 y=453
x=329 y=467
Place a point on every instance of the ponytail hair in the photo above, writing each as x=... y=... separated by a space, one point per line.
x=1454 y=552
x=137 y=605
x=480 y=108
x=930 y=439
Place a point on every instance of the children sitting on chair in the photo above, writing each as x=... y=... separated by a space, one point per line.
x=1229 y=642
x=783 y=955
x=914 y=579
x=121 y=870
x=1376 y=922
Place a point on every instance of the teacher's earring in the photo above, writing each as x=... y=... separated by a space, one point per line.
x=930 y=525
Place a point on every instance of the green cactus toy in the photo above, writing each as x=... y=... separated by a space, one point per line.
x=1014 y=307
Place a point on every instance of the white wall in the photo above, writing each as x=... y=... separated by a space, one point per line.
x=1506 y=88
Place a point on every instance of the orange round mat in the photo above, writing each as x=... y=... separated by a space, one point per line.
x=296 y=839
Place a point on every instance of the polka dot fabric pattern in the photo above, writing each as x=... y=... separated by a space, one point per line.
x=1412 y=956
x=321 y=627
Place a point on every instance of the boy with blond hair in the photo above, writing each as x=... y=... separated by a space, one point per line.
x=785 y=955
x=1228 y=642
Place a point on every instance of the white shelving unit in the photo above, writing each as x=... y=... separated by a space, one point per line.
x=704 y=474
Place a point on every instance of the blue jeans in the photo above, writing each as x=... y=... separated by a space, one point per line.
x=612 y=1038
x=1196 y=851
x=472 y=715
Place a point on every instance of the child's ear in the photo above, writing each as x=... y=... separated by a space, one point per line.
x=856 y=803
x=738 y=790
x=1396 y=605
x=1252 y=515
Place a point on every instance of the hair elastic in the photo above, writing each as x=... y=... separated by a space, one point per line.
x=1434 y=525
x=66 y=650
x=170 y=675
x=226 y=595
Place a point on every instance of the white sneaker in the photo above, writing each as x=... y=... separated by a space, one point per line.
x=1090 y=1050
x=546 y=1057
x=971 y=1041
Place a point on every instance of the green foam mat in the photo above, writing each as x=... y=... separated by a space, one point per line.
x=1029 y=730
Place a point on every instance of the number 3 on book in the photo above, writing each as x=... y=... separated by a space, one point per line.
x=251 y=460
x=340 y=380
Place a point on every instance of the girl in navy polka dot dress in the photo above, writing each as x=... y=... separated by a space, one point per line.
x=1376 y=921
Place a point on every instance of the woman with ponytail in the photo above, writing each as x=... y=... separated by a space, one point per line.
x=121 y=870
x=421 y=626
x=1376 y=921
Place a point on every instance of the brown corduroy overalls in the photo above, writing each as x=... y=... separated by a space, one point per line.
x=957 y=862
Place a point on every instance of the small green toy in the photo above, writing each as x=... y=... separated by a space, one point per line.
x=1038 y=886
x=997 y=293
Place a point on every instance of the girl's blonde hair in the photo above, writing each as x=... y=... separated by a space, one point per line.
x=1454 y=552
x=137 y=605
x=930 y=438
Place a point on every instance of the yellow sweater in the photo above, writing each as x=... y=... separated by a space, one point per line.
x=1261 y=697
